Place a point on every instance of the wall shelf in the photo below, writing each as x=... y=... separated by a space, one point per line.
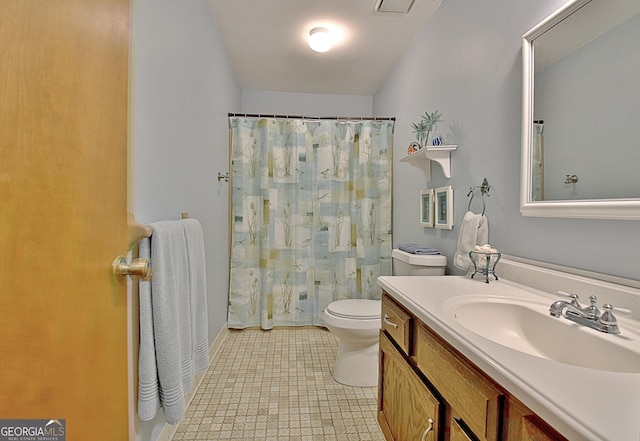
x=423 y=157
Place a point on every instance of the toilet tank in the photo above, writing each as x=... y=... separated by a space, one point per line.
x=407 y=264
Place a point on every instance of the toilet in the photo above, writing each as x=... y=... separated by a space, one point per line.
x=356 y=323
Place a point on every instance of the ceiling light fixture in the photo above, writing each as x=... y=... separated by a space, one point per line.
x=319 y=39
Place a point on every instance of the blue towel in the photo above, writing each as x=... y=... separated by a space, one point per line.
x=173 y=319
x=198 y=293
x=148 y=386
x=414 y=248
x=170 y=313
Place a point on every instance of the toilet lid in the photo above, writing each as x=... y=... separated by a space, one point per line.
x=355 y=308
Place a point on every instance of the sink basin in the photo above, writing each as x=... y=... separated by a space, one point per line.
x=526 y=326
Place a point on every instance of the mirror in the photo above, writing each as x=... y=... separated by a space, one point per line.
x=580 y=128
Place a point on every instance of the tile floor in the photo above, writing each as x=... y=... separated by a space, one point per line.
x=277 y=385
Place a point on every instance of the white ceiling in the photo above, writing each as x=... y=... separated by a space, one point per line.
x=266 y=42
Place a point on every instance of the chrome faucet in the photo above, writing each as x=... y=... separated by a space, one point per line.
x=589 y=316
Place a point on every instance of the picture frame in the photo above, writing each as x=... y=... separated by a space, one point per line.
x=443 y=212
x=426 y=208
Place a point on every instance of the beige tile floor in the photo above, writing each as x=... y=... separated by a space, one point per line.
x=277 y=385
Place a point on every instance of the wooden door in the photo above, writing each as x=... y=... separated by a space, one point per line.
x=63 y=195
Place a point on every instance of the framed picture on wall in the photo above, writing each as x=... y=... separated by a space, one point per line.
x=443 y=199
x=426 y=208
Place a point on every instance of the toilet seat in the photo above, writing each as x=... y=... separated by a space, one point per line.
x=355 y=309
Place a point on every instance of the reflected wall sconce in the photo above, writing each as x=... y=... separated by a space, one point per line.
x=319 y=39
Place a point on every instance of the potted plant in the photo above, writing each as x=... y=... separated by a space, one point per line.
x=427 y=124
x=420 y=129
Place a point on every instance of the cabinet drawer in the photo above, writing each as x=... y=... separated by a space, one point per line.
x=396 y=322
x=472 y=397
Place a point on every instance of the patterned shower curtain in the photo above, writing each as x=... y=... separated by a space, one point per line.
x=537 y=162
x=311 y=217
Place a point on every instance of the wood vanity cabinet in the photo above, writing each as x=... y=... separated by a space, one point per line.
x=425 y=383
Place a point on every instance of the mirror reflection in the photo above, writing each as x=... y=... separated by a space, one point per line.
x=585 y=140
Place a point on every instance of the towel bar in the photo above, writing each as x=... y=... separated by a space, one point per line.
x=137 y=231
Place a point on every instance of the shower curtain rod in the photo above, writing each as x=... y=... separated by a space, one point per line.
x=337 y=118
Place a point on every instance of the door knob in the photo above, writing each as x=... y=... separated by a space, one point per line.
x=137 y=268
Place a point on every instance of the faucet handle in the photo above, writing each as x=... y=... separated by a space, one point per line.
x=574 y=298
x=608 y=318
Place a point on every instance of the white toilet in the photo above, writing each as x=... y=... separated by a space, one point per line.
x=356 y=323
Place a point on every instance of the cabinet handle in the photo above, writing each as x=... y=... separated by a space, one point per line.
x=427 y=430
x=386 y=321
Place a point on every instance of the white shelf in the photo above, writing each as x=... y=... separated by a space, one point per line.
x=423 y=157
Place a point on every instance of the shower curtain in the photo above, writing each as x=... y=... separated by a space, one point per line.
x=537 y=164
x=311 y=216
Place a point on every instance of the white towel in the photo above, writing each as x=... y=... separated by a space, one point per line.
x=474 y=230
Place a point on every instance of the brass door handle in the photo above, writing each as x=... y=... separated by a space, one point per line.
x=137 y=268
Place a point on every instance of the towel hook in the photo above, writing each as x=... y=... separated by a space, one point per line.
x=484 y=189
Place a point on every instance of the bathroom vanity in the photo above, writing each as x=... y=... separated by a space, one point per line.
x=461 y=359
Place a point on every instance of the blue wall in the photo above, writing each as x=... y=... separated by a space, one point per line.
x=182 y=88
x=466 y=63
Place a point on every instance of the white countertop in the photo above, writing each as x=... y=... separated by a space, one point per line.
x=579 y=403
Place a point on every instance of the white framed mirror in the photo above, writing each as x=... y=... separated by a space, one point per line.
x=580 y=119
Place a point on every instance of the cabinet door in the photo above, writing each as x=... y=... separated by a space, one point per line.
x=458 y=433
x=534 y=430
x=407 y=411
x=521 y=424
